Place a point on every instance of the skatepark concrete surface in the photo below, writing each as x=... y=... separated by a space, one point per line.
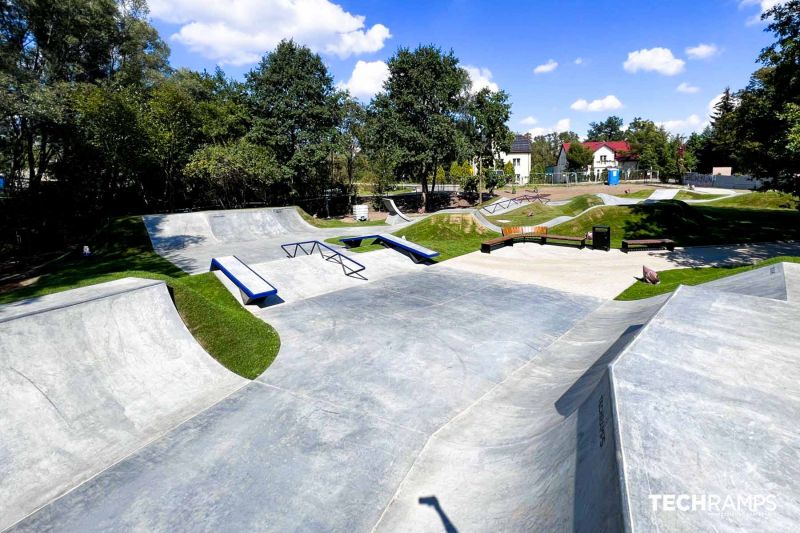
x=306 y=276
x=604 y=274
x=89 y=376
x=450 y=397
x=191 y=240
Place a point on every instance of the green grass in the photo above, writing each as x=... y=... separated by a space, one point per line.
x=688 y=225
x=644 y=193
x=760 y=200
x=450 y=235
x=236 y=338
x=671 y=279
x=537 y=212
x=692 y=195
x=335 y=222
x=366 y=246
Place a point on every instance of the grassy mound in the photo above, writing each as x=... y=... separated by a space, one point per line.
x=237 y=339
x=671 y=279
x=692 y=195
x=450 y=235
x=537 y=212
x=688 y=225
x=760 y=200
x=335 y=222
x=644 y=193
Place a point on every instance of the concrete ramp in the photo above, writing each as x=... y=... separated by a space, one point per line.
x=708 y=405
x=395 y=215
x=537 y=452
x=191 y=240
x=767 y=282
x=86 y=378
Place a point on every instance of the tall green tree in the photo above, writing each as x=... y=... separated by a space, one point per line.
x=420 y=112
x=295 y=112
x=766 y=118
x=608 y=130
x=579 y=157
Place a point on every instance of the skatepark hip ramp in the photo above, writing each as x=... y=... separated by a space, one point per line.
x=89 y=376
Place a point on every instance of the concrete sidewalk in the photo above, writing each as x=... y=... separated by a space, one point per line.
x=603 y=274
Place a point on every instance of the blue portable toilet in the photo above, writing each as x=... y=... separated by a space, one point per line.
x=613 y=176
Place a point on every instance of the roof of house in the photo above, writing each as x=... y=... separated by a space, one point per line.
x=617 y=147
x=521 y=145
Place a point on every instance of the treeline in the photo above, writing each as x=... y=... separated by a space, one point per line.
x=95 y=123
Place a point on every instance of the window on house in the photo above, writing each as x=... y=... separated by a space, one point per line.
x=603 y=158
x=516 y=161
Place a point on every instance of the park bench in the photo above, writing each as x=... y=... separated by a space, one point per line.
x=252 y=287
x=416 y=252
x=647 y=244
x=509 y=240
x=543 y=239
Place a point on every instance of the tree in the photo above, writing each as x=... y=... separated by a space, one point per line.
x=295 y=111
x=766 y=120
x=569 y=137
x=348 y=145
x=231 y=173
x=722 y=143
x=420 y=112
x=489 y=113
x=579 y=157
x=608 y=130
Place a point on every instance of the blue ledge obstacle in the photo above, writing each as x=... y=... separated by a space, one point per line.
x=414 y=250
x=252 y=286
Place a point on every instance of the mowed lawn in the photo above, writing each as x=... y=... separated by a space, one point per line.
x=688 y=225
x=671 y=279
x=449 y=234
x=537 y=212
x=232 y=335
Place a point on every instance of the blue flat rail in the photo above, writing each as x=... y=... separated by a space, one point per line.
x=415 y=251
x=350 y=266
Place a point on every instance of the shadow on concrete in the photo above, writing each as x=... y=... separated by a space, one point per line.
x=583 y=387
x=433 y=501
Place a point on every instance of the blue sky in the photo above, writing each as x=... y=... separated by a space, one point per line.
x=633 y=55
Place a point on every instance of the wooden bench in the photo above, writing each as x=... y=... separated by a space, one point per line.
x=550 y=237
x=252 y=287
x=509 y=240
x=647 y=244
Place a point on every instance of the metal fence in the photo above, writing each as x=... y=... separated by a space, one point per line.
x=722 y=182
x=576 y=178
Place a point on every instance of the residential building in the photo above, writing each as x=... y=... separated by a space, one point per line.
x=520 y=157
x=607 y=155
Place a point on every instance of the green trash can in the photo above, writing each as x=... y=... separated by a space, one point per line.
x=601 y=238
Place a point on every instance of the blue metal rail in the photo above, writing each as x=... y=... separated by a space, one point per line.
x=350 y=266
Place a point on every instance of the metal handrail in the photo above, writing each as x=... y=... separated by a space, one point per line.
x=333 y=256
x=504 y=204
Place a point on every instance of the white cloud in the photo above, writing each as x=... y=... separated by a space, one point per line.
x=550 y=66
x=367 y=79
x=702 y=51
x=578 y=61
x=686 y=88
x=689 y=124
x=528 y=121
x=601 y=104
x=658 y=60
x=561 y=125
x=763 y=7
x=239 y=32
x=481 y=78
x=713 y=103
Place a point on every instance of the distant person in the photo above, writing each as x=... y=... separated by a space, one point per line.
x=86 y=251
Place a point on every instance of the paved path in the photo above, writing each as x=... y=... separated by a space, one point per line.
x=599 y=273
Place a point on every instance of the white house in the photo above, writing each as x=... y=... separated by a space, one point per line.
x=520 y=157
x=607 y=155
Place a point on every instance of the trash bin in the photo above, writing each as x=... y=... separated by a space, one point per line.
x=361 y=212
x=601 y=238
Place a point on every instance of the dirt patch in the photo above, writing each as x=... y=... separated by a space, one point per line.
x=565 y=193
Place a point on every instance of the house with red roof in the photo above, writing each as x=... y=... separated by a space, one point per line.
x=607 y=155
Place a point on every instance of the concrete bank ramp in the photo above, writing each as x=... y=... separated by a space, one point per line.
x=528 y=455
x=89 y=376
x=190 y=240
x=708 y=406
x=773 y=281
